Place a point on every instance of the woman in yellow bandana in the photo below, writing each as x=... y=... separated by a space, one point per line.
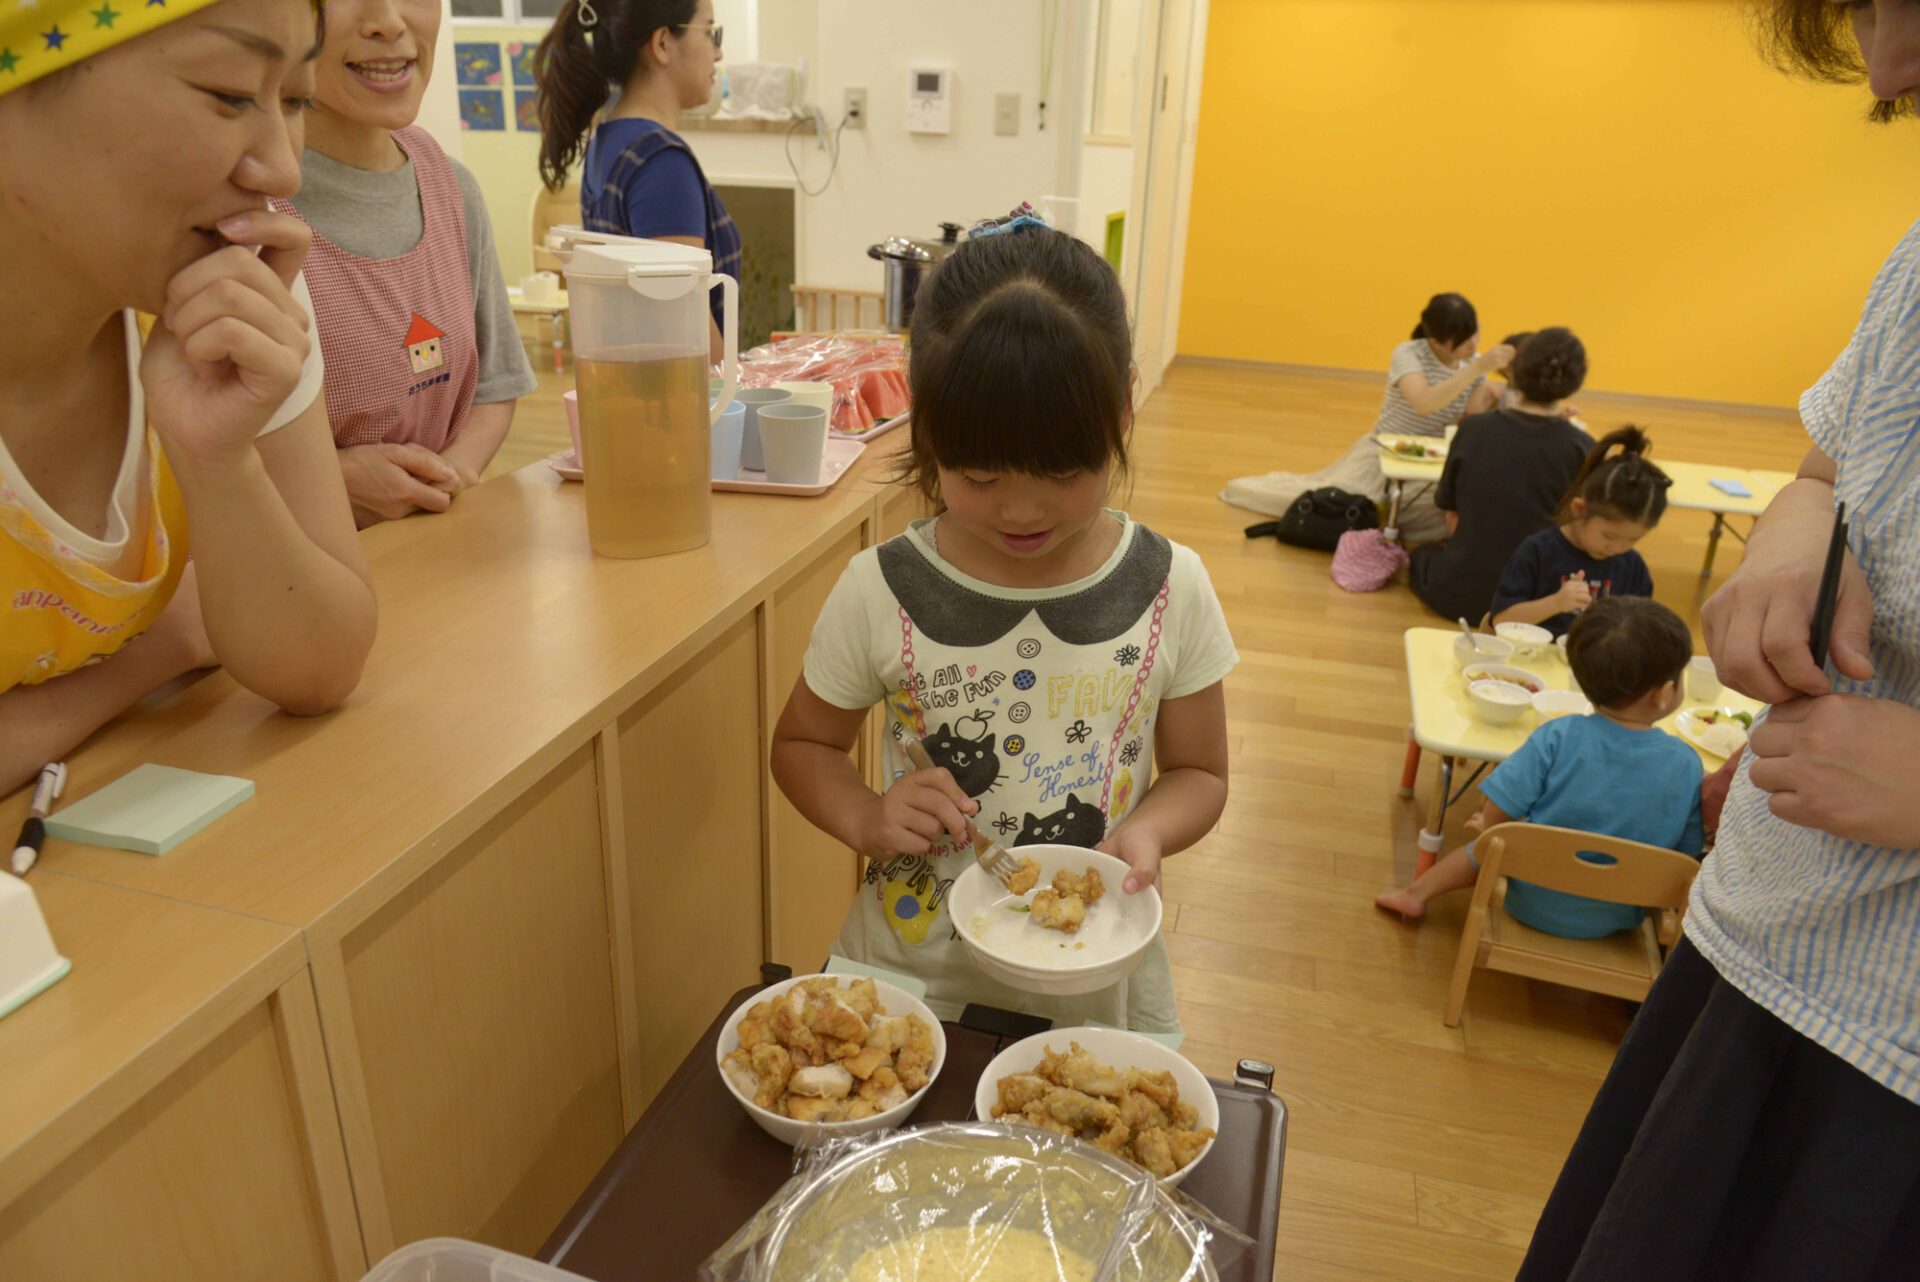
x=140 y=141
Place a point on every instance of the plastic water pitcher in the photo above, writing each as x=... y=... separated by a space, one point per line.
x=639 y=314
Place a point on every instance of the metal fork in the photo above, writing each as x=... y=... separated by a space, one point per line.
x=992 y=856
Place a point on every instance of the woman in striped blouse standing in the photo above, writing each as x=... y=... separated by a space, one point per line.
x=1762 y=1120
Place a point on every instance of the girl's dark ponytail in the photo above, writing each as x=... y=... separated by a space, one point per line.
x=577 y=67
x=1623 y=485
x=1420 y=331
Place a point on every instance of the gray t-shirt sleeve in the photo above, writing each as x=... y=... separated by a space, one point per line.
x=505 y=374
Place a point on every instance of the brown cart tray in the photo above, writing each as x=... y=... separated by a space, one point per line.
x=696 y=1167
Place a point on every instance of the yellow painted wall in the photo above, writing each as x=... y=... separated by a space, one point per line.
x=1627 y=167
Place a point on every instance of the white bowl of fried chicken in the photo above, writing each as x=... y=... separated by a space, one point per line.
x=830 y=1055
x=1119 y=1091
x=1066 y=927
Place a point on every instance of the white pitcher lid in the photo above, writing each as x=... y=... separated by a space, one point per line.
x=603 y=256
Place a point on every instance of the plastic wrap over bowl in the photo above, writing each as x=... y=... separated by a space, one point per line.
x=971 y=1200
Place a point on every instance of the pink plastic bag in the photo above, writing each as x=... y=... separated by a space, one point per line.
x=1366 y=559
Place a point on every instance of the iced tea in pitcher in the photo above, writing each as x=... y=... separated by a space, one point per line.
x=644 y=438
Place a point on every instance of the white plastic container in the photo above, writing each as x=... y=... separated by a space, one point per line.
x=447 y=1259
x=29 y=963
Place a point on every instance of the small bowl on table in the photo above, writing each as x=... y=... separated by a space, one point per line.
x=1497 y=702
x=1530 y=640
x=1489 y=649
x=1561 y=703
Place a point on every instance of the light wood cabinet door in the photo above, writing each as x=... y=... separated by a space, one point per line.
x=206 y=1176
x=691 y=778
x=811 y=877
x=470 y=1023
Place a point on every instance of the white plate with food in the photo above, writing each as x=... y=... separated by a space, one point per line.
x=830 y=1055
x=1718 y=732
x=1415 y=449
x=1065 y=933
x=1122 y=1092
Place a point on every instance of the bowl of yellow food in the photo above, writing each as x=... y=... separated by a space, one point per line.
x=967 y=1201
x=826 y=1055
x=1530 y=640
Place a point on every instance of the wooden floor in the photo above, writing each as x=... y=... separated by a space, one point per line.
x=1415 y=1151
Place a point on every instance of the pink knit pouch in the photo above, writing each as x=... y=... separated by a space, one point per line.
x=1366 y=560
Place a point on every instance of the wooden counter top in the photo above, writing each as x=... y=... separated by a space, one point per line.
x=504 y=645
x=152 y=981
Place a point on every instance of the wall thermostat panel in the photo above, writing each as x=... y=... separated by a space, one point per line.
x=929 y=99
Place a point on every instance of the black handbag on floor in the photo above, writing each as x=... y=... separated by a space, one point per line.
x=1318 y=518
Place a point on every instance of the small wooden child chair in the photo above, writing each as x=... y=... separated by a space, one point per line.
x=1623 y=964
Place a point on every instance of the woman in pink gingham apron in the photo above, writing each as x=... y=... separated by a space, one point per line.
x=425 y=363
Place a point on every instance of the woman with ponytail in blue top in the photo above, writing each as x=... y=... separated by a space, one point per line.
x=657 y=59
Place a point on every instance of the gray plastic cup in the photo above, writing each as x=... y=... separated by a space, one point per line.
x=795 y=440
x=726 y=441
x=751 y=459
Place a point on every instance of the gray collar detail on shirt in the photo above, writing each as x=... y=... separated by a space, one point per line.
x=953 y=614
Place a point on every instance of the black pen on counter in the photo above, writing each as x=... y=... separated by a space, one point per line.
x=1828 y=601
x=52 y=782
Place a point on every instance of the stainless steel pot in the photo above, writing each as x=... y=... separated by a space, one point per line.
x=908 y=263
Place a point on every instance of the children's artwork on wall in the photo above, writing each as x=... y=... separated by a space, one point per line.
x=526 y=110
x=482 y=109
x=520 y=58
x=476 y=62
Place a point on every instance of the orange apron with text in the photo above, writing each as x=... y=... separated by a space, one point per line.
x=59 y=612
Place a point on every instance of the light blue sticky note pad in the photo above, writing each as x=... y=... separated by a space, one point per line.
x=1738 y=489
x=914 y=988
x=149 y=810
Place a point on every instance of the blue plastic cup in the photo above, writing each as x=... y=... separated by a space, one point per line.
x=727 y=430
x=752 y=459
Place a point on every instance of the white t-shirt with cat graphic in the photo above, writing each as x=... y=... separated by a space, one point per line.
x=1042 y=703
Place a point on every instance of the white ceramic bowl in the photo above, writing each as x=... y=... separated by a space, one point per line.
x=1009 y=947
x=786 y=1129
x=1530 y=640
x=1502 y=672
x=1492 y=650
x=1703 y=679
x=1115 y=1049
x=1498 y=702
x=1561 y=703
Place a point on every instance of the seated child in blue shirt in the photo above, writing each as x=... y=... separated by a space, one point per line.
x=1615 y=500
x=1611 y=772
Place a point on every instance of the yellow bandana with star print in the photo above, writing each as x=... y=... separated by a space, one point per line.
x=41 y=36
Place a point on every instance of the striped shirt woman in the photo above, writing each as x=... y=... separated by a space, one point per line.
x=1762 y=1119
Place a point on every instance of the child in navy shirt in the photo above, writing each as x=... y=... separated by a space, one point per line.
x=1615 y=500
x=1612 y=772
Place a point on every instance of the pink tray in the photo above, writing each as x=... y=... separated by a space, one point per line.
x=834 y=462
x=878 y=429
x=838 y=457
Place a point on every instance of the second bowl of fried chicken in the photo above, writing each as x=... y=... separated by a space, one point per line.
x=1119 y=1091
x=830 y=1055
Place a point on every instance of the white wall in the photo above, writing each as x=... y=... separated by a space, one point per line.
x=440 y=107
x=890 y=182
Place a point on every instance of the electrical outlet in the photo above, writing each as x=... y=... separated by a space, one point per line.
x=855 y=108
x=1006 y=114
